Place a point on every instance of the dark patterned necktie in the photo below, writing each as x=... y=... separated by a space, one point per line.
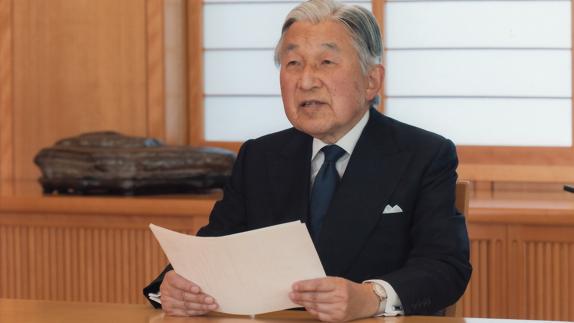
x=324 y=187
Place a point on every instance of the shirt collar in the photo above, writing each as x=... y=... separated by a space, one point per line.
x=348 y=141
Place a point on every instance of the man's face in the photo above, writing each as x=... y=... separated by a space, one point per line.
x=324 y=90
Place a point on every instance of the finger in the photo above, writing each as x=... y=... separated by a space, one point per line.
x=312 y=312
x=199 y=298
x=166 y=290
x=327 y=312
x=190 y=302
x=200 y=302
x=170 y=303
x=177 y=281
x=315 y=297
x=315 y=285
x=322 y=316
x=179 y=308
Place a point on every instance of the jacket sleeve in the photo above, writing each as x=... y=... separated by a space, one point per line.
x=153 y=287
x=228 y=214
x=437 y=269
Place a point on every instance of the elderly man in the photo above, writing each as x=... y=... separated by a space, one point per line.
x=377 y=195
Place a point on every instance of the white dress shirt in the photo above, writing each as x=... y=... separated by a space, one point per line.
x=392 y=306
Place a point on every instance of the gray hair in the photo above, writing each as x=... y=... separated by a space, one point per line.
x=359 y=22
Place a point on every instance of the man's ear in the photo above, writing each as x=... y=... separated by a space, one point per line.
x=375 y=79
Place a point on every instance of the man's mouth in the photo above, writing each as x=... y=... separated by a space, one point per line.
x=311 y=104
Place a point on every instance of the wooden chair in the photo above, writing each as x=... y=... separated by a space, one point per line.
x=462 y=196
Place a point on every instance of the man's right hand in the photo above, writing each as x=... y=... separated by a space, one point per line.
x=180 y=297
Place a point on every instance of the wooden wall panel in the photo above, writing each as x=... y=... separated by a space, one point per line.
x=79 y=66
x=486 y=295
x=176 y=114
x=57 y=259
x=542 y=272
x=6 y=103
x=155 y=66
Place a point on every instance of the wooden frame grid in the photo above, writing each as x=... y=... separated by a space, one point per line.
x=477 y=163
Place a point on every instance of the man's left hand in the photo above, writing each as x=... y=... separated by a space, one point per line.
x=335 y=299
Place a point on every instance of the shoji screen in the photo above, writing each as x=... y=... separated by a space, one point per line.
x=241 y=82
x=486 y=73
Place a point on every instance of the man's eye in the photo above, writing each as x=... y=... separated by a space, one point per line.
x=327 y=62
x=292 y=63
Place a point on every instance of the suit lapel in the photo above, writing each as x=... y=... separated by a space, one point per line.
x=372 y=174
x=289 y=173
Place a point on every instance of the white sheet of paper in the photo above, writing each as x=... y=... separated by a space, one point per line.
x=249 y=272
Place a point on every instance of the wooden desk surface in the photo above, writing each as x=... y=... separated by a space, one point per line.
x=30 y=311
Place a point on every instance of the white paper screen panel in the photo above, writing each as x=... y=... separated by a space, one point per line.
x=247 y=24
x=246 y=72
x=243 y=25
x=463 y=24
x=486 y=73
x=492 y=122
x=479 y=73
x=241 y=82
x=242 y=118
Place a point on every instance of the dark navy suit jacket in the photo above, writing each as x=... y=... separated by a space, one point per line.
x=423 y=252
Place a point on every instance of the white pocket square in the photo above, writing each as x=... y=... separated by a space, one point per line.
x=392 y=209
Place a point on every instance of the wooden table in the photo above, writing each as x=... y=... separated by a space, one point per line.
x=30 y=311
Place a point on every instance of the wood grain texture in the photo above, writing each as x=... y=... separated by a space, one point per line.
x=6 y=99
x=195 y=73
x=78 y=66
x=516 y=172
x=51 y=311
x=175 y=35
x=486 y=295
x=543 y=277
x=155 y=69
x=80 y=262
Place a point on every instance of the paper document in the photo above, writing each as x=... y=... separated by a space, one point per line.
x=249 y=272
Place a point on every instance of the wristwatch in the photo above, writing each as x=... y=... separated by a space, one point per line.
x=381 y=294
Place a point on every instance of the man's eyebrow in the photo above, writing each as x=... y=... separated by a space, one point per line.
x=331 y=46
x=291 y=47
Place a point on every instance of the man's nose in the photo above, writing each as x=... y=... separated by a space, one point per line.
x=309 y=78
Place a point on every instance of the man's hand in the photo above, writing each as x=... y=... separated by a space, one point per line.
x=335 y=299
x=180 y=297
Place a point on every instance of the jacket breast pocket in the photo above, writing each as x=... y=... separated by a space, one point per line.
x=394 y=221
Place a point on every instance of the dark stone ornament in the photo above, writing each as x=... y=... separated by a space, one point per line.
x=109 y=163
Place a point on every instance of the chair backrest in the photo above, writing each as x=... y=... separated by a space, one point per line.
x=461 y=202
